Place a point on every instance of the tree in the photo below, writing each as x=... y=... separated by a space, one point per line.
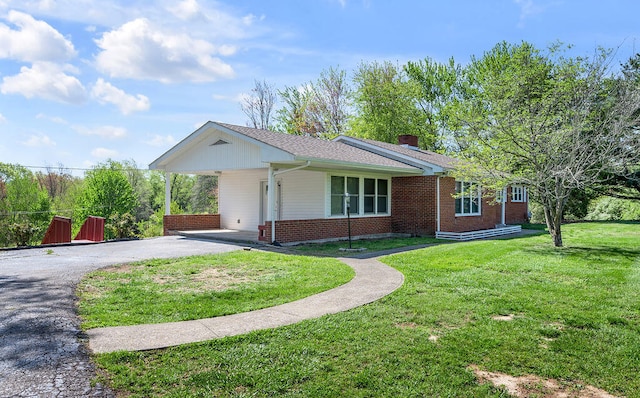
x=204 y=198
x=329 y=103
x=259 y=105
x=24 y=206
x=625 y=184
x=318 y=109
x=106 y=192
x=437 y=93
x=548 y=121
x=386 y=104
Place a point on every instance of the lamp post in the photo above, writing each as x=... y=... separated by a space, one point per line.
x=348 y=205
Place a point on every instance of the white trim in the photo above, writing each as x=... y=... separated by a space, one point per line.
x=503 y=210
x=361 y=195
x=271 y=202
x=438 y=204
x=521 y=194
x=400 y=157
x=167 y=193
x=478 y=196
x=486 y=233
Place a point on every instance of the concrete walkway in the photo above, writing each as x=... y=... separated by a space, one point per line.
x=373 y=281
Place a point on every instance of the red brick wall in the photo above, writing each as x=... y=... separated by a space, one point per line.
x=315 y=229
x=414 y=208
x=449 y=222
x=187 y=222
x=413 y=205
x=515 y=212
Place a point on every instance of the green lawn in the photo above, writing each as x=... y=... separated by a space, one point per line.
x=575 y=317
x=333 y=249
x=170 y=290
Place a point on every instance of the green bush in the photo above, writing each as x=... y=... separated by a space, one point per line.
x=23 y=234
x=613 y=209
x=121 y=226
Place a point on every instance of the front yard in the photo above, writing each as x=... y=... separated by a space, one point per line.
x=515 y=307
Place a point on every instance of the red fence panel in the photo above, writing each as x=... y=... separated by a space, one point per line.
x=59 y=231
x=92 y=229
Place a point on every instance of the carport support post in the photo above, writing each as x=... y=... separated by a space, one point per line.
x=271 y=199
x=167 y=193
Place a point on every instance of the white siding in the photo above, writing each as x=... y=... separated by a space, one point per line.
x=203 y=156
x=303 y=195
x=240 y=199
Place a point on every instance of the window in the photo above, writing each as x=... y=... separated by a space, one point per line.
x=467 y=199
x=366 y=195
x=518 y=193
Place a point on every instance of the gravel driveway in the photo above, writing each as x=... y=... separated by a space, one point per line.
x=40 y=351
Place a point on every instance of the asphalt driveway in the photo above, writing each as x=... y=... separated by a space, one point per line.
x=41 y=353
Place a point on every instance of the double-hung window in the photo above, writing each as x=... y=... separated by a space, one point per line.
x=376 y=196
x=366 y=195
x=518 y=193
x=339 y=187
x=468 y=196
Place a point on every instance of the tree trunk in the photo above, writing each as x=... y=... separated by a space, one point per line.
x=553 y=218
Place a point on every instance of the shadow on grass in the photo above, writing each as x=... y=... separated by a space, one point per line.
x=584 y=252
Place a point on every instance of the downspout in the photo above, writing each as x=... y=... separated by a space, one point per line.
x=167 y=193
x=438 y=204
x=503 y=221
x=271 y=202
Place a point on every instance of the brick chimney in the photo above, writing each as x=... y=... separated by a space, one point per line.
x=411 y=140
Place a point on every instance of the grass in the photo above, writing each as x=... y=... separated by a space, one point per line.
x=199 y=287
x=575 y=310
x=332 y=249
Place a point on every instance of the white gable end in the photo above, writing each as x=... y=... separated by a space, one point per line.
x=215 y=150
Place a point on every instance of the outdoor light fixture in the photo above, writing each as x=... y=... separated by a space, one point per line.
x=347 y=202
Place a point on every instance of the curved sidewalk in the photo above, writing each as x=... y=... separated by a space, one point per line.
x=373 y=280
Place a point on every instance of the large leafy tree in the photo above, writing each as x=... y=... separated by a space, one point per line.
x=107 y=192
x=549 y=121
x=24 y=205
x=387 y=105
x=437 y=92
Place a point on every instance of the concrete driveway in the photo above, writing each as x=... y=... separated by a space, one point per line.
x=40 y=351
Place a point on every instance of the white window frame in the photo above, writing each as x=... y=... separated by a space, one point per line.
x=360 y=196
x=518 y=194
x=471 y=192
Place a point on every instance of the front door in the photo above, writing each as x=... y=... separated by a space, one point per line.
x=264 y=201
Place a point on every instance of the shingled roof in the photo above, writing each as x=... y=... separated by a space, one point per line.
x=310 y=148
x=446 y=162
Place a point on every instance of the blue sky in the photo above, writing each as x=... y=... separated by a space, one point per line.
x=86 y=80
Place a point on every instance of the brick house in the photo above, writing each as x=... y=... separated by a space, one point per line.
x=385 y=188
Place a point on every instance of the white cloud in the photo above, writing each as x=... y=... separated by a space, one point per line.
x=161 y=141
x=109 y=132
x=186 y=9
x=528 y=8
x=139 y=50
x=46 y=80
x=2 y=118
x=33 y=41
x=55 y=119
x=104 y=153
x=105 y=92
x=39 y=141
